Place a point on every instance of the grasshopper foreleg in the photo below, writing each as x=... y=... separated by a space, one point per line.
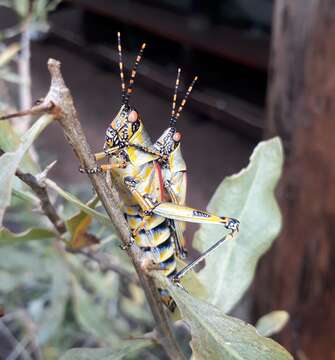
x=104 y=167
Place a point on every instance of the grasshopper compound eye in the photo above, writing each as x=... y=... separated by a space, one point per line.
x=133 y=116
x=177 y=136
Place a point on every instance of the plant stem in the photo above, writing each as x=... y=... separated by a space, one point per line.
x=60 y=95
x=24 y=72
x=42 y=194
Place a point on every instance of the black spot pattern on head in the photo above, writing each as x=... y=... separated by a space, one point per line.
x=168 y=144
x=124 y=133
x=125 y=110
x=111 y=134
x=135 y=126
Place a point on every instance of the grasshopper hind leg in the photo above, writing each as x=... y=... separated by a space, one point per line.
x=175 y=278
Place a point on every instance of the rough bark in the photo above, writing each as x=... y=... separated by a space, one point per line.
x=298 y=273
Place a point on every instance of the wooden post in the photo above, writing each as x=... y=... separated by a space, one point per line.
x=298 y=274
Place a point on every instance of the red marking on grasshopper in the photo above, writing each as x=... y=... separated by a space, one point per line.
x=161 y=182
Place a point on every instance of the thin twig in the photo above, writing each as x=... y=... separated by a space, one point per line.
x=24 y=72
x=15 y=343
x=60 y=95
x=35 y=110
x=43 y=196
x=22 y=322
x=31 y=328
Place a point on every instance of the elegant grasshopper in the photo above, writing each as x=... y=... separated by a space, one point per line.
x=151 y=178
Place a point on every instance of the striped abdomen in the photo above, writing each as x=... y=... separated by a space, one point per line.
x=155 y=239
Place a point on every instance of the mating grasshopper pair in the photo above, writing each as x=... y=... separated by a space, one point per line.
x=151 y=178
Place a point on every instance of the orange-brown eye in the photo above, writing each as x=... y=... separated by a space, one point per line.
x=132 y=117
x=176 y=136
x=113 y=125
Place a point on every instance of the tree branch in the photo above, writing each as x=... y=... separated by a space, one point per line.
x=46 y=204
x=66 y=113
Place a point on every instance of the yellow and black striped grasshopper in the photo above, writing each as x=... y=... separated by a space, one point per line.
x=151 y=179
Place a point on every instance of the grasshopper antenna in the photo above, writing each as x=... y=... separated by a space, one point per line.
x=133 y=74
x=123 y=85
x=174 y=100
x=188 y=92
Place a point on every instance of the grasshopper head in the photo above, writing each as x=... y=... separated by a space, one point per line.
x=168 y=141
x=122 y=128
x=126 y=122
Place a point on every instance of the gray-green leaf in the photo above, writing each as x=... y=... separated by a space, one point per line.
x=272 y=323
x=217 y=336
x=125 y=350
x=91 y=309
x=9 y=238
x=10 y=161
x=104 y=219
x=9 y=53
x=249 y=197
x=50 y=318
x=21 y=7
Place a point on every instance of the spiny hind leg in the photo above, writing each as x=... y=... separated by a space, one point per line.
x=177 y=212
x=180 y=274
x=184 y=213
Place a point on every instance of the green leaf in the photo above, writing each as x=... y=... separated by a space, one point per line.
x=10 y=141
x=10 y=77
x=78 y=225
x=52 y=5
x=125 y=350
x=51 y=317
x=272 y=323
x=9 y=238
x=16 y=260
x=21 y=7
x=74 y=221
x=8 y=281
x=9 y=53
x=192 y=283
x=26 y=196
x=10 y=161
x=91 y=308
x=6 y=3
x=219 y=336
x=104 y=219
x=249 y=197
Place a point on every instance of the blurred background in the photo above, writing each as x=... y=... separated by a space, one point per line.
x=227 y=44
